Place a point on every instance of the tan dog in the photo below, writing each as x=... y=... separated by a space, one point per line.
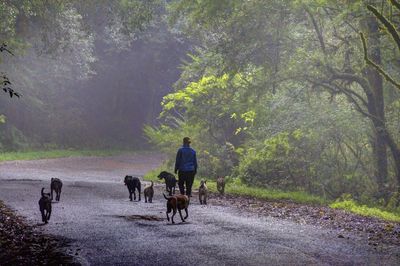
x=177 y=202
x=203 y=192
x=221 y=184
x=148 y=193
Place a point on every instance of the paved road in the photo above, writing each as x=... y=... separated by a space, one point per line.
x=105 y=228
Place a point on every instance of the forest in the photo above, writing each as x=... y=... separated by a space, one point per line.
x=294 y=95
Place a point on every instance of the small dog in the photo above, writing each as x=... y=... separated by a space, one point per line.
x=170 y=181
x=221 y=184
x=148 y=193
x=178 y=202
x=203 y=192
x=132 y=183
x=45 y=206
x=56 y=185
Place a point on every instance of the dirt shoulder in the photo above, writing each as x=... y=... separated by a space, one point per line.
x=21 y=245
x=372 y=230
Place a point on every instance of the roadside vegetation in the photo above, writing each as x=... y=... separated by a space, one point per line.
x=35 y=155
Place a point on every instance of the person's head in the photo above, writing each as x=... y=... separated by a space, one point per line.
x=186 y=141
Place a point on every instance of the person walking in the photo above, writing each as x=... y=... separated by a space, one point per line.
x=186 y=167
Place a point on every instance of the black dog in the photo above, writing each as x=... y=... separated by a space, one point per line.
x=132 y=182
x=45 y=206
x=56 y=185
x=170 y=181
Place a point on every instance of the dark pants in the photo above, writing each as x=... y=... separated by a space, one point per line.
x=186 y=179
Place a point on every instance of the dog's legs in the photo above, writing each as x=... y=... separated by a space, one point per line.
x=43 y=216
x=51 y=193
x=49 y=214
x=138 y=188
x=173 y=214
x=145 y=198
x=180 y=214
x=187 y=214
x=201 y=202
x=168 y=211
x=130 y=194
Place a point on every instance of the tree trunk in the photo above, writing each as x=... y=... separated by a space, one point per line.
x=376 y=106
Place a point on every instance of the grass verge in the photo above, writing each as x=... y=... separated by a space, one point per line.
x=354 y=207
x=35 y=155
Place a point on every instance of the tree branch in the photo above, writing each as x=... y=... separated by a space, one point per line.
x=317 y=30
x=396 y=4
x=389 y=26
x=376 y=66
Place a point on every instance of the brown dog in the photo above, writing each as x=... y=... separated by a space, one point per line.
x=203 y=192
x=221 y=184
x=148 y=193
x=177 y=202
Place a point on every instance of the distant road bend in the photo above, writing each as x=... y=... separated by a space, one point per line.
x=105 y=228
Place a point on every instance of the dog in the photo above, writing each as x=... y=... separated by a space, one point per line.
x=177 y=202
x=56 y=185
x=203 y=192
x=132 y=183
x=148 y=193
x=170 y=181
x=221 y=184
x=45 y=206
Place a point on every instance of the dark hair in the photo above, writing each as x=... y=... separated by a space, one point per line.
x=186 y=140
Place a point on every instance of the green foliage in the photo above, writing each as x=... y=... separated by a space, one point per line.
x=279 y=161
x=269 y=110
x=352 y=206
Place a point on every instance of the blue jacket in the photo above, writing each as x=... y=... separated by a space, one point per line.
x=186 y=159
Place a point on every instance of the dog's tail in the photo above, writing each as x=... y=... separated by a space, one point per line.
x=165 y=197
x=42 y=192
x=151 y=184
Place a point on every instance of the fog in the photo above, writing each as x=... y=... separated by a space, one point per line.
x=95 y=94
